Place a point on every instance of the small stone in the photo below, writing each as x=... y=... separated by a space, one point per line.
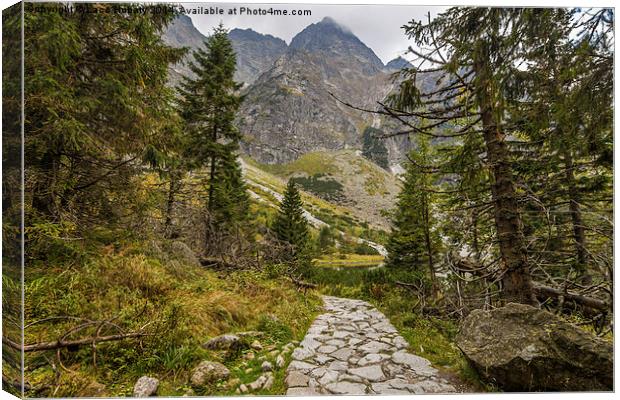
x=373 y=372
x=419 y=365
x=326 y=349
x=224 y=342
x=145 y=386
x=256 y=345
x=280 y=361
x=249 y=356
x=350 y=378
x=385 y=388
x=248 y=370
x=338 y=366
x=345 y=387
x=328 y=377
x=374 y=347
x=302 y=391
x=321 y=359
x=371 y=358
x=400 y=343
x=274 y=353
x=258 y=383
x=266 y=366
x=295 y=379
x=343 y=354
x=335 y=342
x=208 y=372
x=301 y=354
x=430 y=386
x=301 y=366
x=243 y=388
x=269 y=382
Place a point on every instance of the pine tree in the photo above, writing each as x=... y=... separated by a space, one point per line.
x=290 y=225
x=413 y=241
x=209 y=103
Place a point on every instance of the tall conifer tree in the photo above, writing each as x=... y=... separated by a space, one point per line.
x=209 y=103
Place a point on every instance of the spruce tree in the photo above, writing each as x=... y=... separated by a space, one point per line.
x=290 y=225
x=413 y=241
x=209 y=103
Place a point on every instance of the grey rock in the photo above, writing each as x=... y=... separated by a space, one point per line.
x=301 y=354
x=302 y=391
x=522 y=348
x=301 y=366
x=280 y=361
x=224 y=342
x=374 y=347
x=373 y=373
x=269 y=382
x=371 y=358
x=326 y=349
x=295 y=379
x=342 y=354
x=183 y=253
x=266 y=366
x=208 y=372
x=145 y=386
x=345 y=387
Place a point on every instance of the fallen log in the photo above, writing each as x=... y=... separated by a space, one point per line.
x=217 y=263
x=301 y=285
x=59 y=344
x=589 y=302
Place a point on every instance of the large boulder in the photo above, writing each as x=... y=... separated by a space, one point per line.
x=181 y=252
x=522 y=348
x=208 y=372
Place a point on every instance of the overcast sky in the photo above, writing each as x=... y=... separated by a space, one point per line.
x=378 y=26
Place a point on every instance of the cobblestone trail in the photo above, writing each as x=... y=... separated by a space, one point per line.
x=354 y=349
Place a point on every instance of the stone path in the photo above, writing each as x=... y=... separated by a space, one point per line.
x=354 y=349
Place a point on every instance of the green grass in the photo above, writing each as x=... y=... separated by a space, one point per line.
x=309 y=163
x=134 y=285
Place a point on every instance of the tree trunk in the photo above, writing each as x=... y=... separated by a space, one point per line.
x=516 y=279
x=429 y=250
x=173 y=189
x=575 y=211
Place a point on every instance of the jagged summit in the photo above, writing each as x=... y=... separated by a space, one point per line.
x=398 y=63
x=333 y=38
x=251 y=34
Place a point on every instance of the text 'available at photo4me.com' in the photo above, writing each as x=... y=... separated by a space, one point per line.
x=187 y=9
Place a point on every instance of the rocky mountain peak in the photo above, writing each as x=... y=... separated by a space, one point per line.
x=398 y=63
x=335 y=39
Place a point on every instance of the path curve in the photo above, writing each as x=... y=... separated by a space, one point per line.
x=354 y=349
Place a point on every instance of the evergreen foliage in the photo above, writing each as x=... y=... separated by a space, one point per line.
x=290 y=225
x=414 y=239
x=96 y=104
x=208 y=105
